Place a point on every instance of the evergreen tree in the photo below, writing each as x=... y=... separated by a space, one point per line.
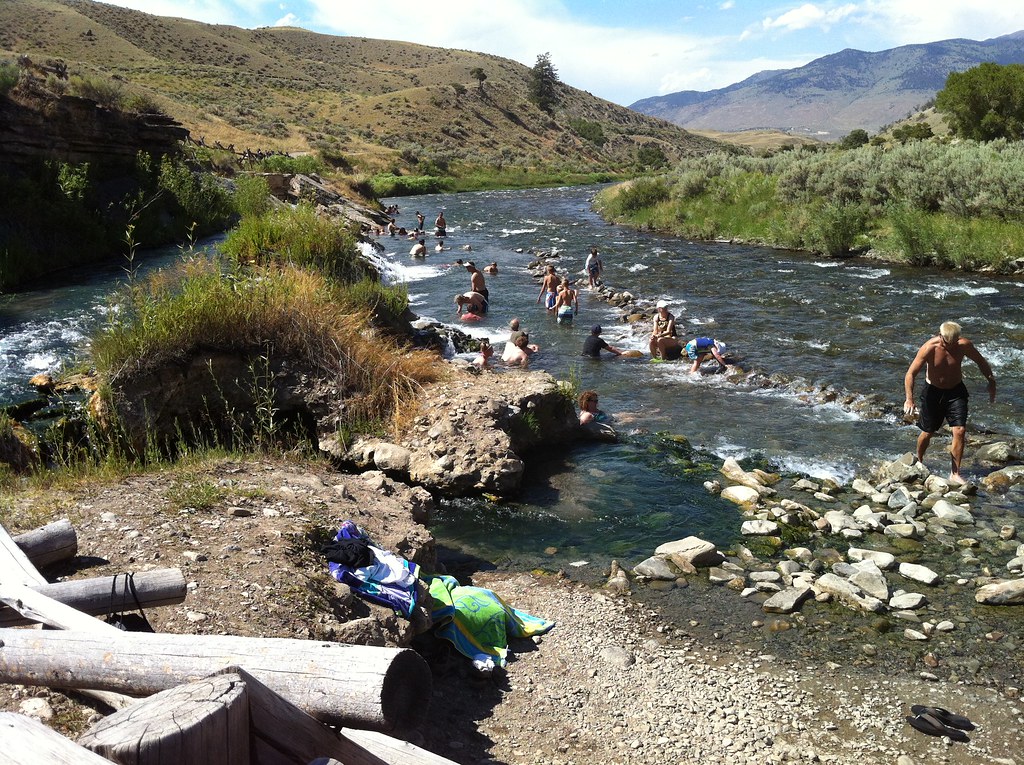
x=985 y=103
x=478 y=74
x=543 y=83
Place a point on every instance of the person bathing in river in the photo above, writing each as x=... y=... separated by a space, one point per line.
x=483 y=358
x=700 y=348
x=518 y=356
x=945 y=396
x=664 y=342
x=594 y=267
x=594 y=344
x=588 y=408
x=472 y=302
x=513 y=338
x=492 y=268
x=567 y=303
x=476 y=280
x=420 y=220
x=549 y=288
x=441 y=224
x=419 y=250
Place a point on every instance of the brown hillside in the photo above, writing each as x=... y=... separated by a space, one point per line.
x=376 y=101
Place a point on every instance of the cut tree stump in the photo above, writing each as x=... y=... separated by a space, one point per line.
x=49 y=544
x=276 y=732
x=28 y=742
x=110 y=594
x=361 y=686
x=202 y=723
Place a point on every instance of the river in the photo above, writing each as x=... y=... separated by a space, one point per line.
x=849 y=326
x=831 y=333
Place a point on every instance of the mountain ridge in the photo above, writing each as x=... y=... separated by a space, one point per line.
x=836 y=93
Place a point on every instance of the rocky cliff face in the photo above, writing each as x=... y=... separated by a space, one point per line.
x=77 y=130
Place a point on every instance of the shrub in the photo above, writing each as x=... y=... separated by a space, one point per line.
x=590 y=131
x=307 y=164
x=297 y=237
x=642 y=193
x=9 y=76
x=390 y=185
x=201 y=200
x=835 y=228
x=101 y=90
x=252 y=196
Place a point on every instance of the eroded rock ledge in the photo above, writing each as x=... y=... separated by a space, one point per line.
x=471 y=433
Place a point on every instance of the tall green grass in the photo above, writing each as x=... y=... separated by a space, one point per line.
x=955 y=205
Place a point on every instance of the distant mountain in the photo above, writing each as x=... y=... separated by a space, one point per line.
x=381 y=104
x=834 y=94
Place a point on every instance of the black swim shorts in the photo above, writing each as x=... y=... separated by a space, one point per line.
x=673 y=352
x=938 y=404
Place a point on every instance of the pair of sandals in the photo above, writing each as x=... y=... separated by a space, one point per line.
x=936 y=721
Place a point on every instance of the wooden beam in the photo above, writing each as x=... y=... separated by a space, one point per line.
x=52 y=543
x=110 y=594
x=37 y=607
x=28 y=742
x=15 y=567
x=361 y=686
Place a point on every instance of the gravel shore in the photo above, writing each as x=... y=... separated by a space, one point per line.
x=612 y=683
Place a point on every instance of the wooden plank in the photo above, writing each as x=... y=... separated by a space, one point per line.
x=392 y=750
x=110 y=594
x=15 y=567
x=28 y=742
x=52 y=543
x=201 y=723
x=362 y=686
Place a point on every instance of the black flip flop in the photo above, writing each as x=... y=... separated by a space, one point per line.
x=930 y=725
x=944 y=716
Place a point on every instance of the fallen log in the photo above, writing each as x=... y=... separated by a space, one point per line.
x=49 y=544
x=15 y=567
x=110 y=594
x=29 y=742
x=361 y=686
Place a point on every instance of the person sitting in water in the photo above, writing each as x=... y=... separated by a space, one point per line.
x=491 y=268
x=483 y=358
x=514 y=334
x=567 y=303
x=419 y=250
x=472 y=302
x=594 y=344
x=518 y=355
x=699 y=348
x=664 y=342
x=439 y=247
x=588 y=408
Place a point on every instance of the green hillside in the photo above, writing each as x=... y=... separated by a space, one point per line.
x=379 y=103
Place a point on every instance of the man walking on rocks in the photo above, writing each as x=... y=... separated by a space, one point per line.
x=945 y=396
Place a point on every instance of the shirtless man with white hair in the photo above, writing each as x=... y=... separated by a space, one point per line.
x=945 y=396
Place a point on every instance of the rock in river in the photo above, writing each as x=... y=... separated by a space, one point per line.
x=1010 y=593
x=918 y=573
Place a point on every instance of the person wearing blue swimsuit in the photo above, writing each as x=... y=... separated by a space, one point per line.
x=699 y=348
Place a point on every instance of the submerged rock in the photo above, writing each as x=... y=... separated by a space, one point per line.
x=1010 y=593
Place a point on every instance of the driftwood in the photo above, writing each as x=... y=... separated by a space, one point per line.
x=49 y=544
x=231 y=716
x=110 y=594
x=363 y=686
x=15 y=567
x=29 y=742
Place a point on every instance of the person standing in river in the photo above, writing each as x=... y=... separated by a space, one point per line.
x=476 y=281
x=549 y=288
x=594 y=267
x=944 y=397
x=441 y=225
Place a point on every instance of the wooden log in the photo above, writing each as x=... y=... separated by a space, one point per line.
x=49 y=544
x=28 y=742
x=361 y=686
x=15 y=567
x=110 y=594
x=201 y=723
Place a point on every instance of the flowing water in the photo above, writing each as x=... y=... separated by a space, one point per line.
x=831 y=334
x=816 y=326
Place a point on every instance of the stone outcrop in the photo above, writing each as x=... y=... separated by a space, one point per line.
x=37 y=126
x=472 y=432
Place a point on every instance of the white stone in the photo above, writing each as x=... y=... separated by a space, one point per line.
x=847 y=593
x=907 y=600
x=758 y=528
x=788 y=600
x=914 y=634
x=741 y=495
x=838 y=520
x=883 y=560
x=1010 y=593
x=870 y=579
x=863 y=487
x=918 y=573
x=693 y=550
x=904 y=530
x=945 y=626
x=947 y=511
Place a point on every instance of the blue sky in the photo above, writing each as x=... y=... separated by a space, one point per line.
x=627 y=50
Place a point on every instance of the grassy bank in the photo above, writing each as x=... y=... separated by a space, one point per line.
x=954 y=206
x=389 y=185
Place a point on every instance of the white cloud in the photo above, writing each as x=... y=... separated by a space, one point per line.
x=810 y=16
x=288 y=20
x=727 y=5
